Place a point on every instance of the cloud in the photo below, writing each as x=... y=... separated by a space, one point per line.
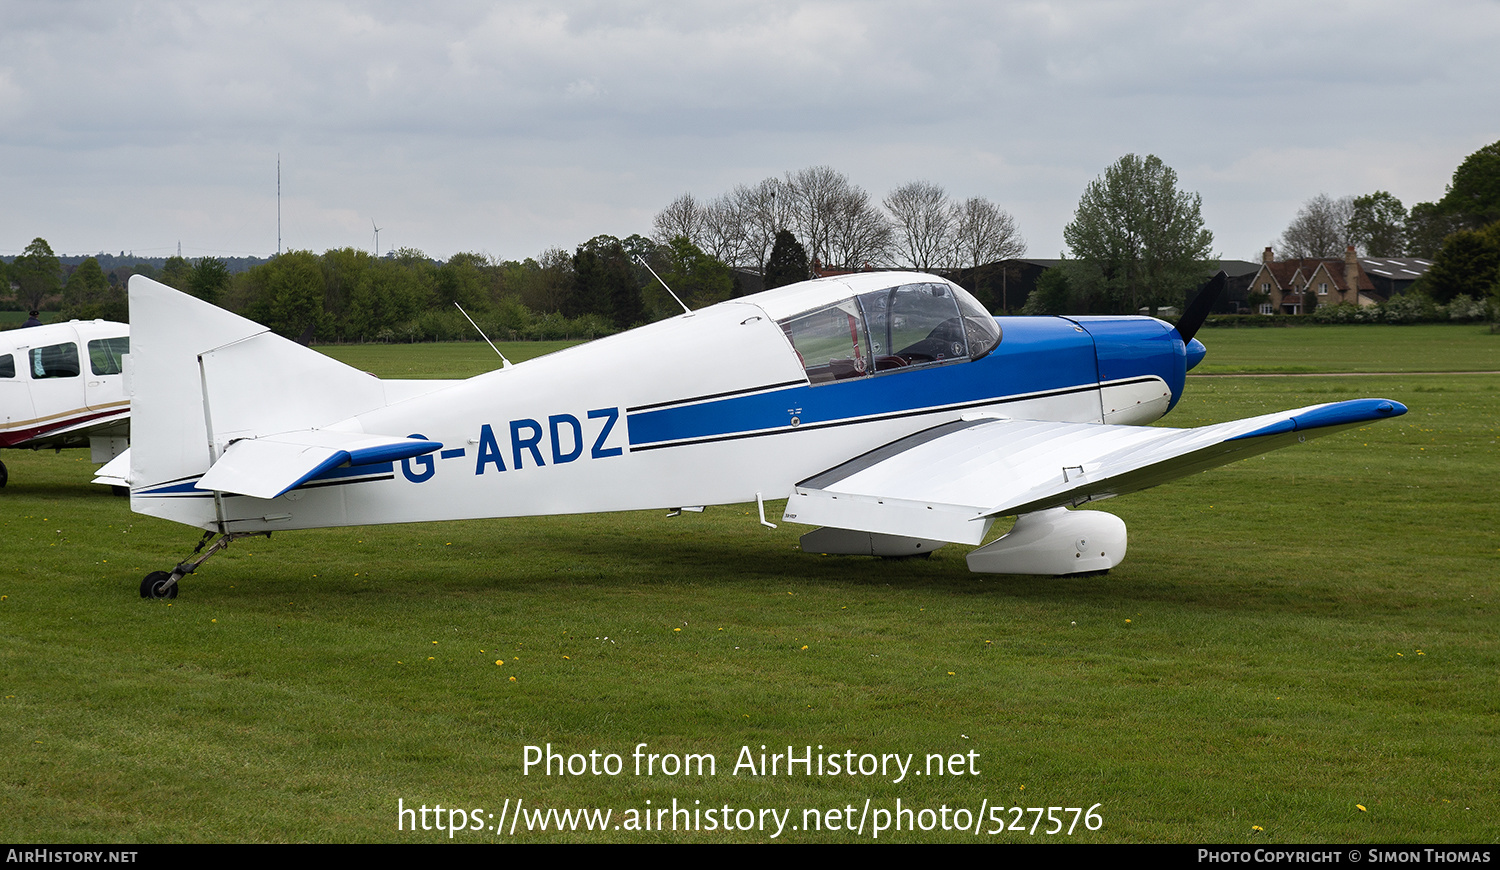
x=518 y=126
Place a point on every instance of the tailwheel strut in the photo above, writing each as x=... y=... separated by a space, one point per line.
x=164 y=584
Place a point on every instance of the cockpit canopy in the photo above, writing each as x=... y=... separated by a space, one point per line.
x=924 y=323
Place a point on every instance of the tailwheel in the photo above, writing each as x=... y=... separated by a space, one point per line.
x=163 y=584
x=159 y=584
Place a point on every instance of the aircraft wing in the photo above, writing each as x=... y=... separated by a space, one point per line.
x=947 y=483
x=269 y=466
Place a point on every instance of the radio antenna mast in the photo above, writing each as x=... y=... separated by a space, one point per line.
x=642 y=261
x=506 y=362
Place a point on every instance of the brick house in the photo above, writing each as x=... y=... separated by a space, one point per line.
x=1329 y=281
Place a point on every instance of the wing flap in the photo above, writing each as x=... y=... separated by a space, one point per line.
x=272 y=465
x=949 y=483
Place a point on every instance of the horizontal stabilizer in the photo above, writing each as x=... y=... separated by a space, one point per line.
x=950 y=482
x=115 y=472
x=269 y=466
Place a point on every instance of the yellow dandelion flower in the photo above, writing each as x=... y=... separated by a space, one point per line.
x=568 y=658
x=804 y=646
x=213 y=620
x=1127 y=622
x=677 y=629
x=1362 y=808
x=512 y=679
x=1256 y=828
x=499 y=661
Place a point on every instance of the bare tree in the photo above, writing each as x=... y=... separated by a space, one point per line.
x=816 y=195
x=1320 y=229
x=923 y=237
x=683 y=218
x=762 y=211
x=983 y=233
x=859 y=234
x=724 y=230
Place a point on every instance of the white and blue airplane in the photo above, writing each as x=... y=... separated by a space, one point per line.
x=889 y=408
x=62 y=385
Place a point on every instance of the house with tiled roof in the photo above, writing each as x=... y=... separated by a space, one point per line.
x=1288 y=284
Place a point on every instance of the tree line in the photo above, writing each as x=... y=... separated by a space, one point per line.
x=1459 y=233
x=839 y=226
x=348 y=295
x=1136 y=240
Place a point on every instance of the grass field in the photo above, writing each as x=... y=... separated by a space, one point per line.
x=1421 y=347
x=1290 y=639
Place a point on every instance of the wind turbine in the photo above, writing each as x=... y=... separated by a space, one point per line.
x=377 y=238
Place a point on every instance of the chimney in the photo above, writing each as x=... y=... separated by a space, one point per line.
x=1351 y=275
x=1267 y=256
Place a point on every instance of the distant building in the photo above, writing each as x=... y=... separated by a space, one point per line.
x=1287 y=284
x=1393 y=275
x=1005 y=284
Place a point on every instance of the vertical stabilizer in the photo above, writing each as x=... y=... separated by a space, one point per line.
x=203 y=377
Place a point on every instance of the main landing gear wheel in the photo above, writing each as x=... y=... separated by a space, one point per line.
x=156 y=585
x=4 y=475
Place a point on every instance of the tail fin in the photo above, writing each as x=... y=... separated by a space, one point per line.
x=203 y=377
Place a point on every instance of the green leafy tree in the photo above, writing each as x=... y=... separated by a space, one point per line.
x=208 y=279
x=697 y=278
x=1377 y=225
x=1426 y=228
x=787 y=263
x=467 y=279
x=348 y=293
x=37 y=273
x=1474 y=193
x=1467 y=265
x=89 y=295
x=542 y=283
x=605 y=283
x=1472 y=202
x=177 y=272
x=287 y=294
x=1053 y=293
x=1144 y=238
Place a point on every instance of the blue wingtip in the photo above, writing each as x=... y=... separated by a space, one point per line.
x=1352 y=411
x=1337 y=414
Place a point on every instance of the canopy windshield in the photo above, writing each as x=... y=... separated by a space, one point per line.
x=899 y=327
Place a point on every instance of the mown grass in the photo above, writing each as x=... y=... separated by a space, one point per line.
x=1429 y=347
x=1289 y=637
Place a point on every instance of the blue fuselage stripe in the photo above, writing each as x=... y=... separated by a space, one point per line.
x=1037 y=356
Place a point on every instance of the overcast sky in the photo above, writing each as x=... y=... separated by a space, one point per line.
x=509 y=128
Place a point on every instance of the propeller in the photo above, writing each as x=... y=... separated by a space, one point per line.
x=1198 y=310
